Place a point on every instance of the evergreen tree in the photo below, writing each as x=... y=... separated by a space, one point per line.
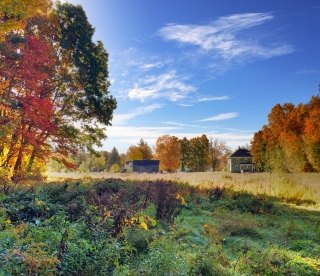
x=184 y=152
x=114 y=158
x=145 y=150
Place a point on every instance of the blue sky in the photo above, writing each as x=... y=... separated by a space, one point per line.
x=186 y=68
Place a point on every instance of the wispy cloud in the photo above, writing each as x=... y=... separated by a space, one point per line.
x=225 y=37
x=185 y=105
x=168 y=85
x=221 y=117
x=181 y=124
x=120 y=119
x=148 y=66
x=154 y=64
x=218 y=98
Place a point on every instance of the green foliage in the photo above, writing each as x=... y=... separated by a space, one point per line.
x=275 y=261
x=210 y=262
x=199 y=154
x=115 y=168
x=107 y=227
x=184 y=153
x=76 y=36
x=113 y=159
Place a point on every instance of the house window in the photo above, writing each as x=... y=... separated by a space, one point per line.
x=245 y=160
x=236 y=166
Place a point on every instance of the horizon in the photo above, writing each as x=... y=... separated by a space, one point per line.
x=203 y=67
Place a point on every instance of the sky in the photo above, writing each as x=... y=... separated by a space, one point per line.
x=213 y=67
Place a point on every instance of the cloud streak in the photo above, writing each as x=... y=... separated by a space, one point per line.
x=221 y=117
x=225 y=37
x=121 y=119
x=167 y=85
x=181 y=124
x=209 y=99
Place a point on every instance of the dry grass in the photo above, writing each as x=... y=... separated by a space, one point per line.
x=290 y=187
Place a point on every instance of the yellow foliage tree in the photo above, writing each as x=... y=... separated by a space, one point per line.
x=167 y=151
x=134 y=153
x=14 y=14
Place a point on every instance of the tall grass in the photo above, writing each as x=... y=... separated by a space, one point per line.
x=299 y=187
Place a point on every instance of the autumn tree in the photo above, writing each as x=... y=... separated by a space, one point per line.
x=290 y=141
x=145 y=150
x=199 y=154
x=218 y=153
x=14 y=14
x=140 y=152
x=311 y=133
x=167 y=151
x=134 y=153
x=259 y=150
x=184 y=148
x=33 y=97
x=54 y=84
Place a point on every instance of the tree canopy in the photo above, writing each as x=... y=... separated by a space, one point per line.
x=290 y=142
x=54 y=85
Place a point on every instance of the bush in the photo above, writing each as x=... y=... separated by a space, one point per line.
x=211 y=263
x=115 y=168
x=274 y=261
x=86 y=258
x=255 y=204
x=168 y=205
x=235 y=223
x=139 y=239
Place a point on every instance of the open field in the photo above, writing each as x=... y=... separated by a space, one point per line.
x=300 y=186
x=116 y=227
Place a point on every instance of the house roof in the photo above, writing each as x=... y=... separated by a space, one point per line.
x=241 y=153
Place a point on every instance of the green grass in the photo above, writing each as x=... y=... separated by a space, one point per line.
x=99 y=228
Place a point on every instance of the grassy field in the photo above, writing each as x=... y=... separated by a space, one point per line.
x=290 y=187
x=121 y=227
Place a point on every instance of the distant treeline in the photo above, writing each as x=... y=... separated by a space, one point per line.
x=100 y=161
x=290 y=142
x=195 y=154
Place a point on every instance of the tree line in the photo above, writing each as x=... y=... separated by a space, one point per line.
x=54 y=98
x=290 y=142
x=196 y=154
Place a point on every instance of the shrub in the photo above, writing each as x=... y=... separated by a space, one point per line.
x=164 y=258
x=86 y=258
x=139 y=239
x=115 y=168
x=274 y=261
x=235 y=223
x=210 y=262
x=217 y=193
x=255 y=204
x=168 y=205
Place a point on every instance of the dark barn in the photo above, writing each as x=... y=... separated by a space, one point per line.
x=146 y=166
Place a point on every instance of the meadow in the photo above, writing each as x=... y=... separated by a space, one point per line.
x=299 y=186
x=144 y=226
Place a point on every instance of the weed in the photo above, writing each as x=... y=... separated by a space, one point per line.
x=235 y=223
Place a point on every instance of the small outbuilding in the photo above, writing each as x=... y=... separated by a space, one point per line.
x=240 y=161
x=143 y=166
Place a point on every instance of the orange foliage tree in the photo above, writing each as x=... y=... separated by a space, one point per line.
x=167 y=151
x=291 y=140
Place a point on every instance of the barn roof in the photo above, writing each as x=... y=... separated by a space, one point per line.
x=241 y=153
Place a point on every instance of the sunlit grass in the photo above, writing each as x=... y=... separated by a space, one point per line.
x=301 y=188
